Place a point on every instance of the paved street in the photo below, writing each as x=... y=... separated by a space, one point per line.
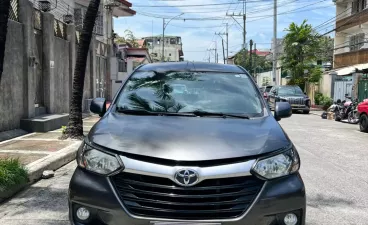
x=334 y=168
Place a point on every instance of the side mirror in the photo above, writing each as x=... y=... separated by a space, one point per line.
x=305 y=93
x=98 y=106
x=282 y=110
x=274 y=92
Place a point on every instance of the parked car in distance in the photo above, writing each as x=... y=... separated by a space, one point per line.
x=293 y=94
x=210 y=154
x=265 y=91
x=363 y=115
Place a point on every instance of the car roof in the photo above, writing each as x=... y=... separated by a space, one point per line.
x=191 y=66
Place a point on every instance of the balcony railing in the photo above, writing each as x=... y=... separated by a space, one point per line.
x=352 y=20
x=351 y=58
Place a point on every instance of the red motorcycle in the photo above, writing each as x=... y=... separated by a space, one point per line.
x=363 y=115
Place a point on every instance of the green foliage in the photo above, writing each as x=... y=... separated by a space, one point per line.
x=63 y=129
x=300 y=81
x=259 y=63
x=315 y=75
x=11 y=173
x=326 y=102
x=302 y=48
x=128 y=38
x=318 y=98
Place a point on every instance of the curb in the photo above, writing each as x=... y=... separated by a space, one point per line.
x=52 y=162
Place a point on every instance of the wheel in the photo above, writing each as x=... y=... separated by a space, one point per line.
x=363 y=123
x=352 y=118
x=306 y=111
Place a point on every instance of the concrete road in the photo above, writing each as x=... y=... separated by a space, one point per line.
x=334 y=167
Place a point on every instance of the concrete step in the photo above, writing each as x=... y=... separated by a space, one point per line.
x=45 y=123
x=40 y=110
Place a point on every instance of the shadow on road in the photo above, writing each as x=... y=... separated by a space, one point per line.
x=320 y=201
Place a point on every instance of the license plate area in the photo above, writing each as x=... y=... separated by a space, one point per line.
x=182 y=223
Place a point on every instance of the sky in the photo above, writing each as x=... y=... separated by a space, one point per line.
x=203 y=18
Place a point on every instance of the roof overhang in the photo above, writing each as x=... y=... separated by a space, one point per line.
x=123 y=10
x=349 y=69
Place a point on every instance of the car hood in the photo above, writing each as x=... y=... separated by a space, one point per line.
x=292 y=96
x=188 y=138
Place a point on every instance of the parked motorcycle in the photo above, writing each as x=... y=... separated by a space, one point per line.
x=339 y=110
x=353 y=115
x=343 y=109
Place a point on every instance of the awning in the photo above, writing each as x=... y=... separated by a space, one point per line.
x=349 y=69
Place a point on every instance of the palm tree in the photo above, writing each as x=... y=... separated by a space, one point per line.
x=4 y=16
x=75 y=125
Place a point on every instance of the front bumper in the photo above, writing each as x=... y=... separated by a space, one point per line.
x=95 y=192
x=299 y=107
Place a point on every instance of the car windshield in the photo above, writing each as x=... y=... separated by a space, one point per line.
x=191 y=91
x=290 y=90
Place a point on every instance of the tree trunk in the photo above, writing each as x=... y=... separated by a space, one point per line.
x=4 y=16
x=75 y=125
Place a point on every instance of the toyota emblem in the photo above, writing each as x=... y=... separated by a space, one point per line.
x=186 y=177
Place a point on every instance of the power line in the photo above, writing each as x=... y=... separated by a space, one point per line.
x=199 y=5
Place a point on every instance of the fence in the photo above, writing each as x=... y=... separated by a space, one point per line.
x=59 y=29
x=14 y=10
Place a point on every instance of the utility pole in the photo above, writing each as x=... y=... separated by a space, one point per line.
x=274 y=58
x=210 y=51
x=243 y=27
x=164 y=25
x=227 y=40
x=250 y=55
x=216 y=60
x=163 y=40
x=223 y=49
x=255 y=61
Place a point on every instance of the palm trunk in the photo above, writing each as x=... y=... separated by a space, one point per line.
x=4 y=16
x=75 y=125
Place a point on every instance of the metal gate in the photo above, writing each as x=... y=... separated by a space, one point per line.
x=362 y=90
x=341 y=88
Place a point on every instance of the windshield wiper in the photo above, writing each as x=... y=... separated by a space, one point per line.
x=224 y=115
x=146 y=112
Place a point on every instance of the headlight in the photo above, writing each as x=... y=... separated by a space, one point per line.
x=278 y=165
x=97 y=161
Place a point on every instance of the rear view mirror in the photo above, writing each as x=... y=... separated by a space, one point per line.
x=98 y=106
x=282 y=110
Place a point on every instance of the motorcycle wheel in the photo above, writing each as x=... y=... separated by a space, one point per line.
x=352 y=118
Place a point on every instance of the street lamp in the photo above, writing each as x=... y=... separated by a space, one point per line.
x=164 y=25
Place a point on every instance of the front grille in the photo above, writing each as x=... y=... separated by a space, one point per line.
x=296 y=101
x=158 y=197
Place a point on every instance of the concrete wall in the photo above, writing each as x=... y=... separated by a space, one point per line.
x=18 y=86
x=11 y=86
x=61 y=72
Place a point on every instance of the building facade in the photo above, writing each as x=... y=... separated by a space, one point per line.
x=351 y=46
x=173 y=48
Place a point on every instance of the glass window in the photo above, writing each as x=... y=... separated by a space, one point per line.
x=190 y=91
x=290 y=90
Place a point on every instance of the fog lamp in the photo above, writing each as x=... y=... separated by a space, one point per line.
x=83 y=213
x=290 y=219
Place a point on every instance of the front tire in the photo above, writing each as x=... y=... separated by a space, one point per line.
x=352 y=118
x=363 y=123
x=306 y=111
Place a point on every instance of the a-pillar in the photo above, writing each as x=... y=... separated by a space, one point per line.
x=48 y=40
x=29 y=60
